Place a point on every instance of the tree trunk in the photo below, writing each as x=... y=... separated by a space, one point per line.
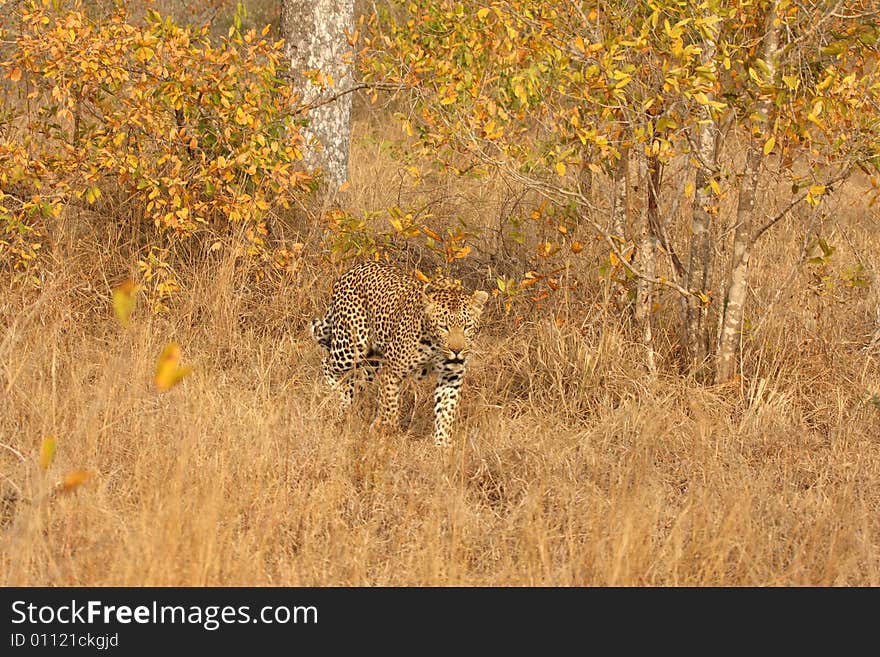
x=618 y=196
x=704 y=206
x=647 y=257
x=316 y=41
x=731 y=325
x=618 y=228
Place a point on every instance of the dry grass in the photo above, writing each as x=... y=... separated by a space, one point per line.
x=572 y=466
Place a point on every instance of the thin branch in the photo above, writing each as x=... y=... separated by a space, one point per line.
x=800 y=197
x=655 y=280
x=326 y=100
x=660 y=231
x=14 y=451
x=553 y=193
x=786 y=286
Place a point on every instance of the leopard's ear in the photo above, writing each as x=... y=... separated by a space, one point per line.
x=479 y=299
x=427 y=301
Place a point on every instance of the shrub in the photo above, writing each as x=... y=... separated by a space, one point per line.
x=185 y=134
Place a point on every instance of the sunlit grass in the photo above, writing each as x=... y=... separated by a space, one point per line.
x=571 y=465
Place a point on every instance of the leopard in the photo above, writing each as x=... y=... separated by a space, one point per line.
x=383 y=324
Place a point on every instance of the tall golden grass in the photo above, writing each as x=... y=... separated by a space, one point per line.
x=572 y=465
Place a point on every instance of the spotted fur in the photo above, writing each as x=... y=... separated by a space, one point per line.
x=382 y=322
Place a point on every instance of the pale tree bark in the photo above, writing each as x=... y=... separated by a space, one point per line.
x=646 y=256
x=731 y=325
x=705 y=204
x=619 y=191
x=618 y=195
x=315 y=33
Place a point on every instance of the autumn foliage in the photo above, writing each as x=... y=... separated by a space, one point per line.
x=163 y=419
x=542 y=90
x=183 y=135
x=556 y=97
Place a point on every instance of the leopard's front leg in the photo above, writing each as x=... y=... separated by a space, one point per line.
x=446 y=396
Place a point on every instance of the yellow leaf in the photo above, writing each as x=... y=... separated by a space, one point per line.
x=715 y=187
x=755 y=76
x=73 y=480
x=15 y=74
x=123 y=301
x=791 y=81
x=613 y=259
x=93 y=193
x=768 y=145
x=422 y=277
x=492 y=130
x=168 y=370
x=47 y=451
x=560 y=168
x=545 y=249
x=576 y=247
x=144 y=53
x=482 y=13
x=817 y=190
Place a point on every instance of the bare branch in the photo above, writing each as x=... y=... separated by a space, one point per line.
x=555 y=193
x=786 y=286
x=797 y=200
x=14 y=451
x=326 y=100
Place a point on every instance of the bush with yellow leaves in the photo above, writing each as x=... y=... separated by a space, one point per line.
x=179 y=132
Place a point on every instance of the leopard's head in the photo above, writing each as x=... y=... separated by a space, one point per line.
x=453 y=316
